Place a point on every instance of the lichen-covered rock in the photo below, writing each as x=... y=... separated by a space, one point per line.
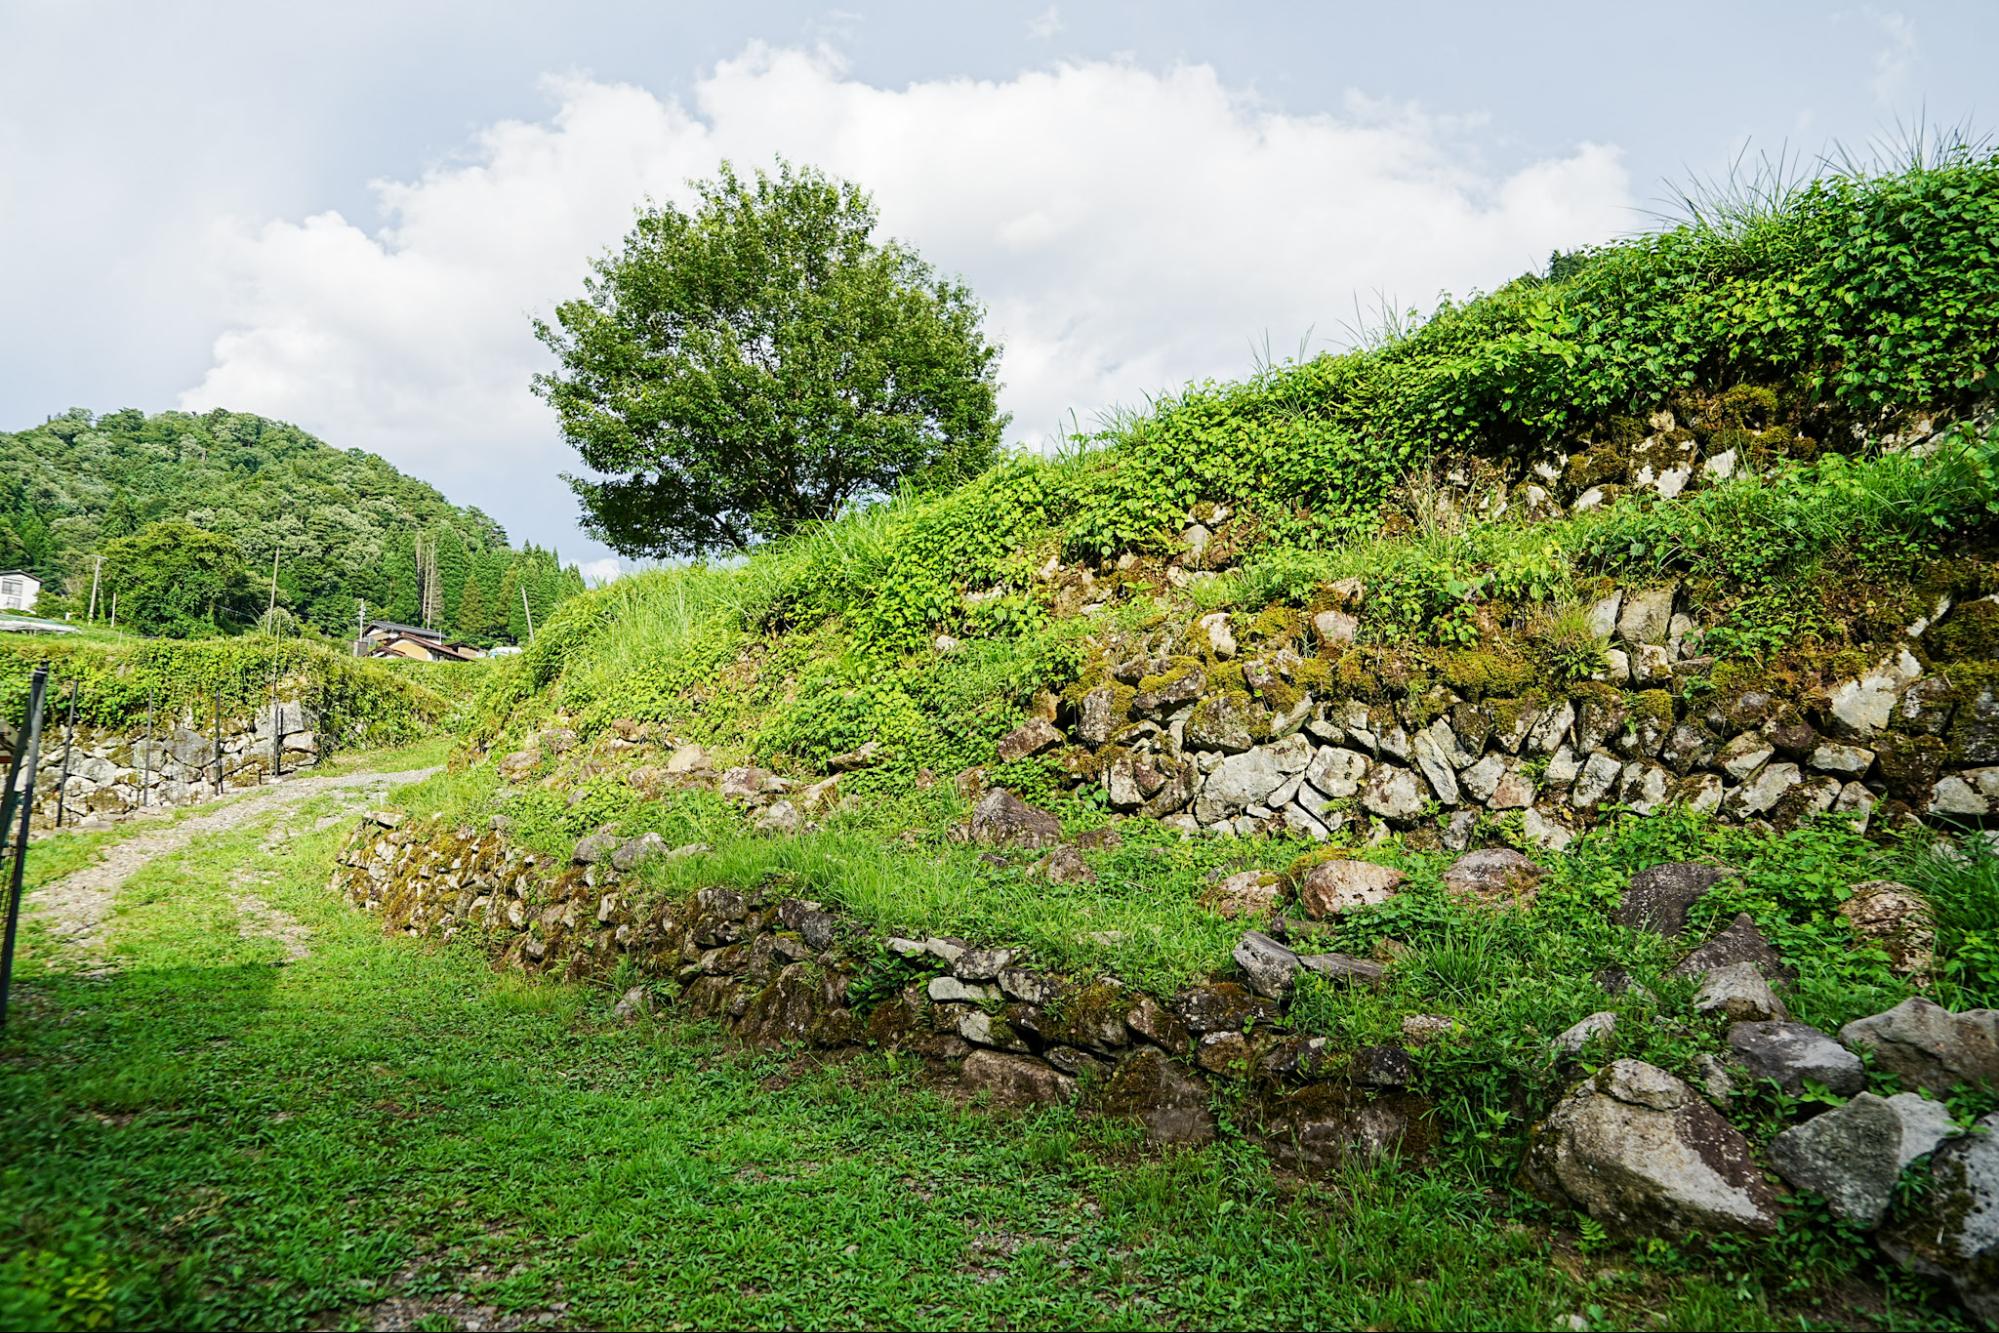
x=1002 y=819
x=1793 y=1054
x=1953 y=1233
x=1643 y=1154
x=1219 y=1006
x=1246 y=893
x=1336 y=772
x=1897 y=918
x=1170 y=1102
x=1657 y=898
x=1494 y=874
x=1865 y=706
x=1015 y=1080
x=1031 y=738
x=597 y=847
x=1741 y=942
x=1930 y=1047
x=1332 y=887
x=1853 y=1154
x=1393 y=793
x=1324 y=1127
x=1096 y=716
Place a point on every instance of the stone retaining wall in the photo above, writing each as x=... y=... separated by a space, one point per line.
x=1193 y=731
x=115 y=773
x=775 y=969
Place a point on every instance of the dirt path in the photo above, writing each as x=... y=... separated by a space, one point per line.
x=76 y=906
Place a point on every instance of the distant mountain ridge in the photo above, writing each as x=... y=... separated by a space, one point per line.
x=345 y=525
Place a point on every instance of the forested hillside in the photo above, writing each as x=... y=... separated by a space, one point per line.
x=345 y=526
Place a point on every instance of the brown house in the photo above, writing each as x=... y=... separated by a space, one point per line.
x=386 y=638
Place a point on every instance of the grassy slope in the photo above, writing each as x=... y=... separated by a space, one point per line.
x=212 y=1139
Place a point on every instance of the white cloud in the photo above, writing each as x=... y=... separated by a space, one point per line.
x=1129 y=228
x=596 y=573
x=1045 y=24
x=1896 y=60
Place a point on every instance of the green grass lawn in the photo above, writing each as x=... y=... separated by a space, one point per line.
x=211 y=1137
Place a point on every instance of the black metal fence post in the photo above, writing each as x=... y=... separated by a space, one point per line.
x=277 y=727
x=218 y=742
x=146 y=756
x=28 y=752
x=68 y=740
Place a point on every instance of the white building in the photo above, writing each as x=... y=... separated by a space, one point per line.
x=18 y=590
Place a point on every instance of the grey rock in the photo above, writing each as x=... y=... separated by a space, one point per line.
x=1643 y=1154
x=1015 y=1080
x=1551 y=727
x=597 y=847
x=1343 y=969
x=1599 y=1025
x=1238 y=782
x=1744 y=754
x=1865 y=706
x=1494 y=874
x=950 y=990
x=1853 y=1154
x=634 y=852
x=1847 y=760
x=1657 y=898
x=981 y=964
x=1598 y=774
x=1393 y=793
x=1336 y=772
x=1269 y=966
x=1002 y=819
x=1741 y=942
x=1953 y=1233
x=1031 y=738
x=1929 y=1046
x=1738 y=991
x=1096 y=717
x=1769 y=786
x=1433 y=749
x=1647 y=615
x=1792 y=1054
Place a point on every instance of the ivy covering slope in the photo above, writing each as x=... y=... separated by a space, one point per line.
x=344 y=521
x=1806 y=327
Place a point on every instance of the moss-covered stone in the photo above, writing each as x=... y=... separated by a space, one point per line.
x=1597 y=466
x=1970 y=631
x=1496 y=670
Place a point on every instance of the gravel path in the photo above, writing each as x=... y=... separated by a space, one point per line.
x=75 y=908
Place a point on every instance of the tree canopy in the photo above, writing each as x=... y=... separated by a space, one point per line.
x=345 y=525
x=759 y=362
x=174 y=579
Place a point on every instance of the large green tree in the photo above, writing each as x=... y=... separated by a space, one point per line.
x=173 y=578
x=761 y=361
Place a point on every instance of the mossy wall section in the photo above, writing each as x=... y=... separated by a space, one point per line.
x=776 y=970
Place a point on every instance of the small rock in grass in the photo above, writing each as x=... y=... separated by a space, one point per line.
x=1333 y=887
x=1596 y=1027
x=1738 y=991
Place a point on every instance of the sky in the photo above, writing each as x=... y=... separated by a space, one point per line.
x=348 y=216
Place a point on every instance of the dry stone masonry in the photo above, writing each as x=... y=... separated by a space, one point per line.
x=114 y=773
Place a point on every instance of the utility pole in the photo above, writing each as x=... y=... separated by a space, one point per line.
x=270 y=612
x=527 y=611
x=114 y=608
x=360 y=626
x=96 y=573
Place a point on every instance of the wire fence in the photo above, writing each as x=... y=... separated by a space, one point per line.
x=183 y=766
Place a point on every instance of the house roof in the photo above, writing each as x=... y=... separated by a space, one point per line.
x=20 y=573
x=430 y=643
x=413 y=631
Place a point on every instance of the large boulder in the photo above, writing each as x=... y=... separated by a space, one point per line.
x=1853 y=1154
x=1792 y=1054
x=1928 y=1046
x=1644 y=1154
x=1003 y=819
x=1953 y=1233
x=1657 y=899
